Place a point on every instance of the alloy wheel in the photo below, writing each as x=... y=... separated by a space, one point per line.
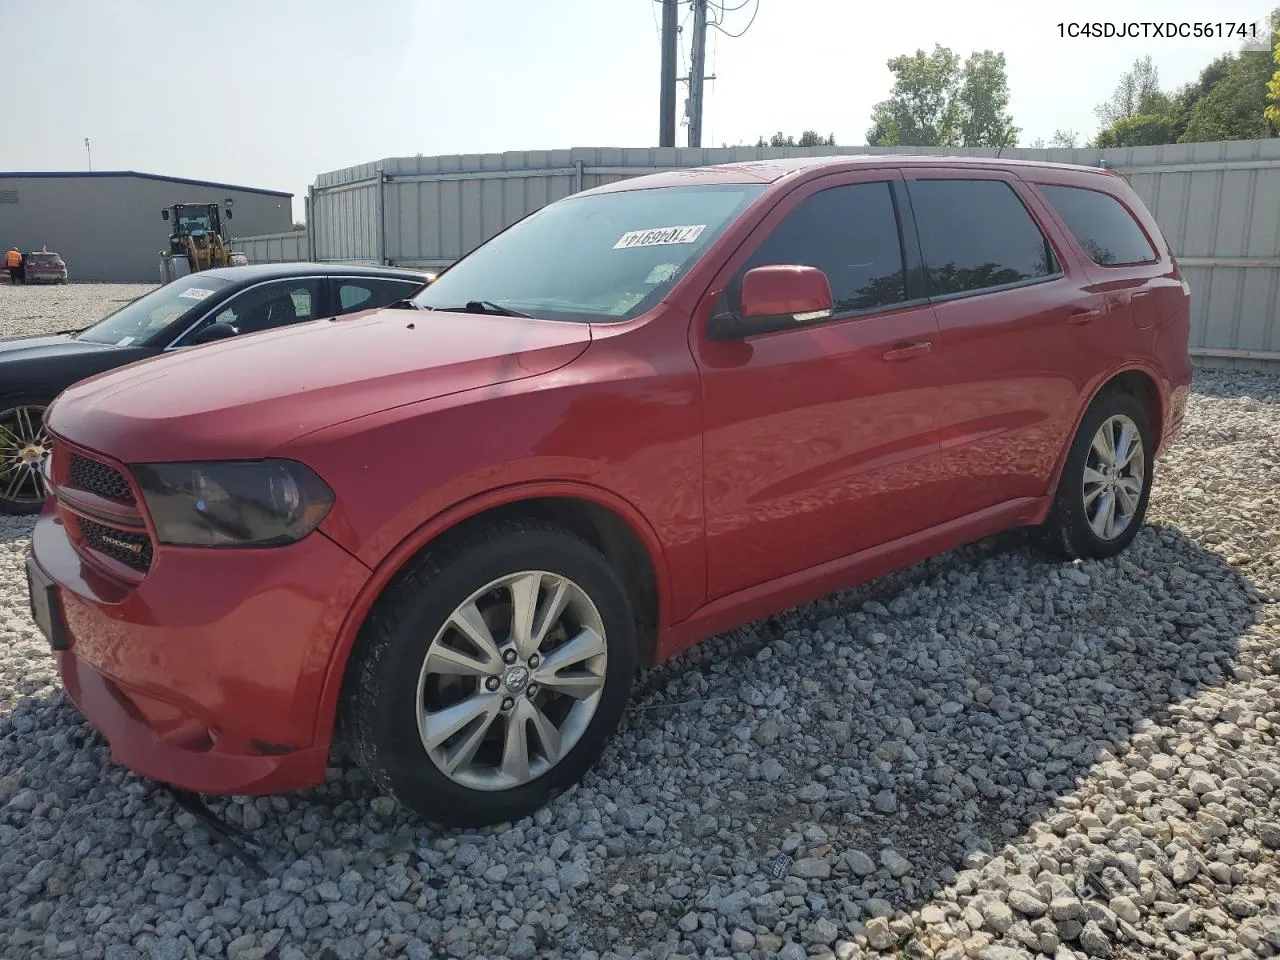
x=511 y=681
x=24 y=445
x=1114 y=473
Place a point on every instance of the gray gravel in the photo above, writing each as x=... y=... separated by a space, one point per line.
x=989 y=755
x=47 y=308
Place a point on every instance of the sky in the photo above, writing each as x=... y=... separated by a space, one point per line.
x=272 y=93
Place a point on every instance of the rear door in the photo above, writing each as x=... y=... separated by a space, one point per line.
x=1122 y=260
x=820 y=439
x=1008 y=294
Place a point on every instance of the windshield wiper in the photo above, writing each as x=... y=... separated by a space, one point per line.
x=486 y=307
x=404 y=305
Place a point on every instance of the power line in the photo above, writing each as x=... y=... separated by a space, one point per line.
x=717 y=24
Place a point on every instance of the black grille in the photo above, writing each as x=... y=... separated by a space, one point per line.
x=131 y=549
x=95 y=477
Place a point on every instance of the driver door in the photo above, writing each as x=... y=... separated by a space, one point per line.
x=267 y=306
x=821 y=440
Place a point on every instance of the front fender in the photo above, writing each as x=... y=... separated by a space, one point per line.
x=447 y=520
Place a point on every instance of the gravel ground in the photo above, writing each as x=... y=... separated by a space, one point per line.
x=989 y=755
x=41 y=308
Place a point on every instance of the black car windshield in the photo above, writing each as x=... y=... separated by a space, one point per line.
x=147 y=320
x=602 y=257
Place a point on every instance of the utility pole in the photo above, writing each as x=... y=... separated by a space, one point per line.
x=89 y=152
x=670 y=28
x=697 y=71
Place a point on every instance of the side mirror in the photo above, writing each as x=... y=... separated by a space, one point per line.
x=775 y=297
x=214 y=331
x=164 y=214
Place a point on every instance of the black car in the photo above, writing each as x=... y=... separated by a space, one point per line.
x=195 y=309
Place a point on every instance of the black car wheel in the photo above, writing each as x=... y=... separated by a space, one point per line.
x=1105 y=486
x=492 y=674
x=24 y=445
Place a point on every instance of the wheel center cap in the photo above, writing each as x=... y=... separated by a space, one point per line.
x=516 y=679
x=29 y=455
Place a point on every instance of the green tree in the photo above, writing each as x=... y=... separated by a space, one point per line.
x=1138 y=92
x=937 y=101
x=1273 y=89
x=810 y=138
x=1138 y=113
x=1235 y=107
x=1145 y=129
x=923 y=108
x=984 y=102
x=1065 y=138
x=1228 y=101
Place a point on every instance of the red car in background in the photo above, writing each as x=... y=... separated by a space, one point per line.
x=449 y=531
x=41 y=266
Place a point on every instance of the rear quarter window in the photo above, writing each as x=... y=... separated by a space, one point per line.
x=1101 y=224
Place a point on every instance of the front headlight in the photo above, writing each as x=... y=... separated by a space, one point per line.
x=253 y=503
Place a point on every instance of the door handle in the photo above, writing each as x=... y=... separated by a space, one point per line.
x=907 y=351
x=1082 y=315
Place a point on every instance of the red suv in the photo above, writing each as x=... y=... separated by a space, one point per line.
x=450 y=532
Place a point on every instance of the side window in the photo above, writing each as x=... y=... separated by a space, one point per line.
x=368 y=293
x=851 y=234
x=272 y=305
x=1101 y=225
x=976 y=234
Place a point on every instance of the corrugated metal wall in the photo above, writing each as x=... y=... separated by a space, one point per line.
x=344 y=215
x=1218 y=203
x=288 y=247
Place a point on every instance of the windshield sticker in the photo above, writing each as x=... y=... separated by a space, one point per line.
x=662 y=273
x=659 y=236
x=194 y=293
x=124 y=341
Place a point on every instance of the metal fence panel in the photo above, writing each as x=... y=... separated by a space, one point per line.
x=288 y=247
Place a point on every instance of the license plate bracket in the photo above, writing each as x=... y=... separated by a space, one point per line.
x=46 y=606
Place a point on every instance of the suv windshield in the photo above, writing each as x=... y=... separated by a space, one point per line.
x=145 y=321
x=606 y=256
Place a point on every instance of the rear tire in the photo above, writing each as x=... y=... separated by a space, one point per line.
x=1102 y=496
x=443 y=643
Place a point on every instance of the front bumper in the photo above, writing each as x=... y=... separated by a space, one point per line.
x=207 y=674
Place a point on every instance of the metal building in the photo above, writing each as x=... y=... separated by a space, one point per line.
x=107 y=225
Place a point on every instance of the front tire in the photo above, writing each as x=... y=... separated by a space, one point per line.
x=1102 y=496
x=491 y=674
x=24 y=444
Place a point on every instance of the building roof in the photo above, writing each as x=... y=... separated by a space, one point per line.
x=87 y=174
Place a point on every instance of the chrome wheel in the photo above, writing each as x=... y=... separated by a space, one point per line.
x=1114 y=473
x=511 y=681
x=24 y=446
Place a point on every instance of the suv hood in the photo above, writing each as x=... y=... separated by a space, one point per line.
x=246 y=396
